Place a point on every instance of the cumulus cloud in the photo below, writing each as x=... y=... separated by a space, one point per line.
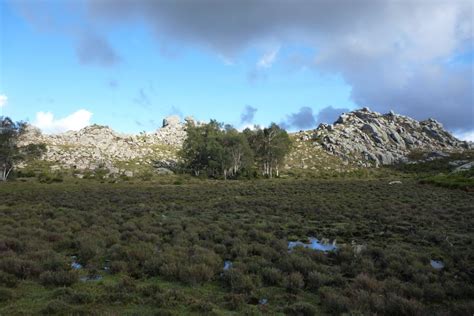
x=394 y=54
x=303 y=119
x=48 y=124
x=3 y=100
x=469 y=136
x=248 y=114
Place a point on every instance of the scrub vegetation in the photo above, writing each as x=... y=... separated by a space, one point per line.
x=160 y=247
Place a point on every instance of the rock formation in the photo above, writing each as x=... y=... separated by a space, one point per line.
x=371 y=139
x=99 y=146
x=359 y=138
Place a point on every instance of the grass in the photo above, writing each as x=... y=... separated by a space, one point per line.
x=166 y=240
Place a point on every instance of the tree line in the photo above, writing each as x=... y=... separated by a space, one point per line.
x=221 y=151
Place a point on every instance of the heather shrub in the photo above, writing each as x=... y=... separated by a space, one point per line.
x=57 y=307
x=5 y=294
x=7 y=279
x=300 y=309
x=294 y=282
x=272 y=276
x=21 y=268
x=58 y=278
x=334 y=302
x=238 y=282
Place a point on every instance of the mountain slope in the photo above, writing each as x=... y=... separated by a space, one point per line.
x=371 y=139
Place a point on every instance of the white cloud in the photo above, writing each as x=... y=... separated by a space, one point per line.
x=267 y=60
x=48 y=124
x=469 y=136
x=3 y=100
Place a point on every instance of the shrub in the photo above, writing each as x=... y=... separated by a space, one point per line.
x=118 y=266
x=316 y=280
x=19 y=267
x=300 y=309
x=294 y=282
x=46 y=177
x=5 y=294
x=7 y=279
x=234 y=301
x=367 y=283
x=238 y=282
x=202 y=307
x=434 y=292
x=396 y=305
x=333 y=301
x=73 y=296
x=58 y=278
x=57 y=307
x=196 y=273
x=272 y=276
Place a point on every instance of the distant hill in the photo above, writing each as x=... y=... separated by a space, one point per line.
x=368 y=138
x=361 y=138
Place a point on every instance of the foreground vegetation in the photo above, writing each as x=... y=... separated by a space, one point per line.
x=147 y=248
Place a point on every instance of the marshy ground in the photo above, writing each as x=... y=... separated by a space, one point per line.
x=160 y=249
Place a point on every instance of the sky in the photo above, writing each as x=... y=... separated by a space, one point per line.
x=128 y=64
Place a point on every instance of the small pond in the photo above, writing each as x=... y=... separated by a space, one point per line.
x=227 y=265
x=74 y=264
x=436 y=264
x=313 y=244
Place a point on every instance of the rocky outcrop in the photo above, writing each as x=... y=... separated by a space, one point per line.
x=369 y=138
x=359 y=138
x=99 y=146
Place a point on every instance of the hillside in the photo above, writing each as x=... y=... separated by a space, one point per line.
x=361 y=138
x=369 y=138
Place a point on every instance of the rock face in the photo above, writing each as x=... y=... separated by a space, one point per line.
x=370 y=138
x=359 y=138
x=99 y=146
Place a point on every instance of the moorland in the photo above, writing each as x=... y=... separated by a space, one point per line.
x=182 y=245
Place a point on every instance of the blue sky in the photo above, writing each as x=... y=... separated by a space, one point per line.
x=129 y=71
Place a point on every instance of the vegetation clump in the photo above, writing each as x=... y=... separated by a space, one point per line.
x=215 y=150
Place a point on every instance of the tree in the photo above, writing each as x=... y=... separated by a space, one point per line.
x=270 y=146
x=215 y=150
x=238 y=154
x=10 y=152
x=201 y=150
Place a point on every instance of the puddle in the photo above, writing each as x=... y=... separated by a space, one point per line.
x=437 y=265
x=107 y=266
x=227 y=265
x=263 y=301
x=75 y=265
x=313 y=244
x=91 y=278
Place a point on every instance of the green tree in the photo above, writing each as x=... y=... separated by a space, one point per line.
x=270 y=146
x=10 y=151
x=238 y=155
x=215 y=150
x=202 y=151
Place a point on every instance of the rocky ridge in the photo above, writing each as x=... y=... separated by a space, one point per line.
x=369 y=138
x=98 y=146
x=361 y=138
